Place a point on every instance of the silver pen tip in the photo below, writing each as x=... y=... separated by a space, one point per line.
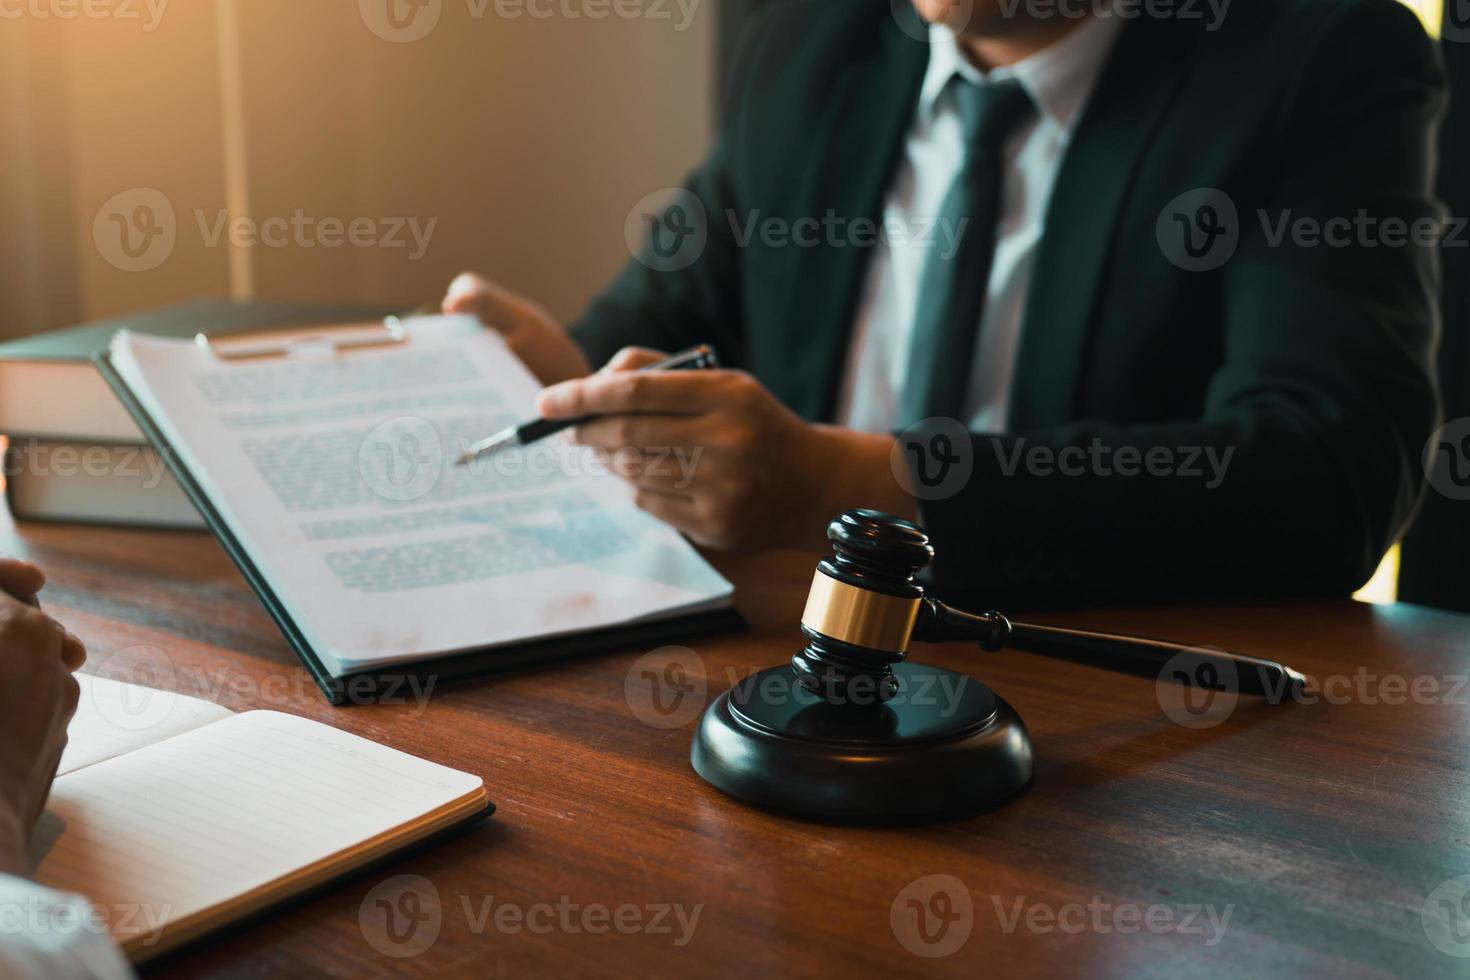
x=485 y=447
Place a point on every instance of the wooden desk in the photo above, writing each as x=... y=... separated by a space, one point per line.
x=1322 y=829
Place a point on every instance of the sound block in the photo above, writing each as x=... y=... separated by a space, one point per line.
x=945 y=745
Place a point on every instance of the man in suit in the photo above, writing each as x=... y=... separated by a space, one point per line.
x=1130 y=300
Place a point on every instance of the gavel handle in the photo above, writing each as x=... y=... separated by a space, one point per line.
x=1194 y=665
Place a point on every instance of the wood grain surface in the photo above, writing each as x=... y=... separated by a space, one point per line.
x=1308 y=839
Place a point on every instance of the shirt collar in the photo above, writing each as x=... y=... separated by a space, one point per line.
x=1059 y=78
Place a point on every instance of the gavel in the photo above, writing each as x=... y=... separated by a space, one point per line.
x=830 y=737
x=865 y=608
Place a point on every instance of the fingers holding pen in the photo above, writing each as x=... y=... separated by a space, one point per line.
x=633 y=359
x=639 y=432
x=712 y=452
x=655 y=452
x=651 y=428
x=627 y=392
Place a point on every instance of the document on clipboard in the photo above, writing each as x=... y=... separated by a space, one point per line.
x=324 y=462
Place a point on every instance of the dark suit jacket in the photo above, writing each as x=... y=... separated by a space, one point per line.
x=1313 y=364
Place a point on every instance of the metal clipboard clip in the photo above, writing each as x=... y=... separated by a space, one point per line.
x=288 y=341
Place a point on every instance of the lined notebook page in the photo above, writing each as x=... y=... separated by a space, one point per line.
x=114 y=718
x=203 y=818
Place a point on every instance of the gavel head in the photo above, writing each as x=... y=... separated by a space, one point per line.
x=862 y=608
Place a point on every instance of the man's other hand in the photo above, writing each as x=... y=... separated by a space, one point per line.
x=541 y=343
x=717 y=456
x=38 y=696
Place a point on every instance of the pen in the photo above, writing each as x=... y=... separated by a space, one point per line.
x=701 y=358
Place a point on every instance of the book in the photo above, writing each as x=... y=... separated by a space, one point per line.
x=129 y=485
x=329 y=478
x=49 y=386
x=75 y=453
x=175 y=817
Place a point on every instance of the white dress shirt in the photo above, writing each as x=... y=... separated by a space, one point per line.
x=1059 y=80
x=45 y=935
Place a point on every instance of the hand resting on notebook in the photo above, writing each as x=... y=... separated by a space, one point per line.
x=38 y=696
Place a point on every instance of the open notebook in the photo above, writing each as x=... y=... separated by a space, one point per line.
x=174 y=816
x=328 y=474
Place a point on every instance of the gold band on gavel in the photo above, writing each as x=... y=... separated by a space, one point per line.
x=865 y=619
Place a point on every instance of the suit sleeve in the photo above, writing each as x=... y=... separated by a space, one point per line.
x=1321 y=407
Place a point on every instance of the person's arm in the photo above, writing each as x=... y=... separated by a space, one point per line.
x=44 y=935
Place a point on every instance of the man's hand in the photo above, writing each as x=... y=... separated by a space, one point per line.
x=541 y=343
x=38 y=696
x=718 y=457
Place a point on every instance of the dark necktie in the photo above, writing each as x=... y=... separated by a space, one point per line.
x=952 y=288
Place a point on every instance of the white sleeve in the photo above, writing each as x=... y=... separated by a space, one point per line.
x=46 y=935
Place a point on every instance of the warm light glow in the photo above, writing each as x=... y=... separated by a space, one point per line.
x=1383 y=587
x=1429 y=11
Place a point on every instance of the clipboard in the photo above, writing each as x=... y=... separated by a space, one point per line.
x=395 y=680
x=282 y=341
